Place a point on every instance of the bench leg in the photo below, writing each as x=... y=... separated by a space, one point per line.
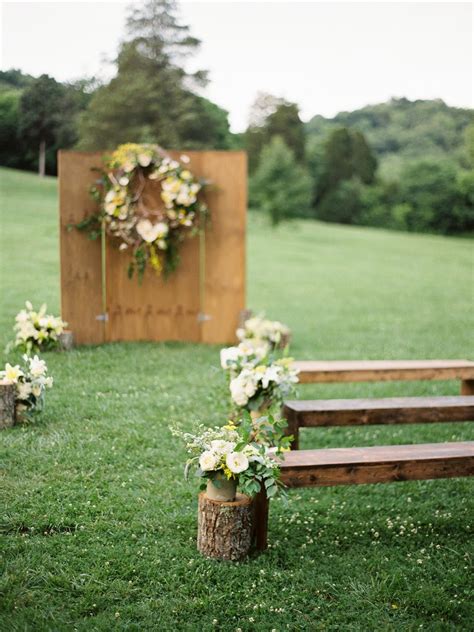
x=467 y=387
x=261 y=521
x=292 y=427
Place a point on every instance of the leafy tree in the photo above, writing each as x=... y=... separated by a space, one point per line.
x=439 y=196
x=41 y=118
x=9 y=117
x=346 y=156
x=150 y=99
x=272 y=116
x=280 y=186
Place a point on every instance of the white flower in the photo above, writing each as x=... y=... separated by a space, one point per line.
x=48 y=382
x=237 y=462
x=29 y=306
x=123 y=181
x=229 y=356
x=23 y=390
x=151 y=232
x=208 y=461
x=36 y=389
x=37 y=367
x=144 y=160
x=272 y=374
x=184 y=159
x=219 y=446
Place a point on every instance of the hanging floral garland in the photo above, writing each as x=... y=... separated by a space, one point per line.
x=131 y=216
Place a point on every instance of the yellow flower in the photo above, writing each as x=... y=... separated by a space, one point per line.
x=186 y=175
x=12 y=373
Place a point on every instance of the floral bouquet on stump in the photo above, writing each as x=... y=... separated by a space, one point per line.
x=272 y=332
x=31 y=382
x=237 y=455
x=37 y=330
x=258 y=388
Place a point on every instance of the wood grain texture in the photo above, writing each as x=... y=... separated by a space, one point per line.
x=312 y=371
x=225 y=529
x=7 y=404
x=389 y=410
x=349 y=466
x=80 y=257
x=158 y=309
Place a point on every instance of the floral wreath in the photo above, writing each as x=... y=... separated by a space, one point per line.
x=152 y=234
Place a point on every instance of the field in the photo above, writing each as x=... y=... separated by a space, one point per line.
x=97 y=524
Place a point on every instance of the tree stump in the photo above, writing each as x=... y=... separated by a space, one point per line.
x=66 y=340
x=225 y=530
x=7 y=404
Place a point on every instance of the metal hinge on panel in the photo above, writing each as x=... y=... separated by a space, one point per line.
x=103 y=317
x=202 y=317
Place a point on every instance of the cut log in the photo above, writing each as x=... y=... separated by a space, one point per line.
x=66 y=340
x=225 y=530
x=7 y=404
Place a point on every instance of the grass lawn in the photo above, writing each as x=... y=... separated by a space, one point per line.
x=98 y=526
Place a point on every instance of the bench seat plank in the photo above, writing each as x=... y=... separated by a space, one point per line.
x=388 y=410
x=316 y=371
x=380 y=464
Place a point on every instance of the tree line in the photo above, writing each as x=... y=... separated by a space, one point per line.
x=402 y=165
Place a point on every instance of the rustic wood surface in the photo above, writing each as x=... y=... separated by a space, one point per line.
x=467 y=387
x=157 y=309
x=381 y=464
x=225 y=529
x=389 y=410
x=315 y=371
x=7 y=404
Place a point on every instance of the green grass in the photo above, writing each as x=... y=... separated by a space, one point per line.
x=97 y=525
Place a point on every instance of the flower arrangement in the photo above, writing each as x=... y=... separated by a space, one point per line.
x=256 y=388
x=272 y=332
x=241 y=453
x=36 y=330
x=31 y=382
x=151 y=233
x=248 y=353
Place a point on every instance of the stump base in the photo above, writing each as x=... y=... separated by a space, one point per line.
x=7 y=404
x=225 y=529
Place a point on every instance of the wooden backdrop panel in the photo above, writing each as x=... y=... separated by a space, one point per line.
x=156 y=309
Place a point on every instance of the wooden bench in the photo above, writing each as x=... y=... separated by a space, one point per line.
x=315 y=371
x=354 y=466
x=361 y=412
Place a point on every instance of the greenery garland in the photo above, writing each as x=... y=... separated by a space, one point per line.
x=152 y=234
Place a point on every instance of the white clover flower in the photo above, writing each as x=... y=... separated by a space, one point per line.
x=208 y=461
x=237 y=462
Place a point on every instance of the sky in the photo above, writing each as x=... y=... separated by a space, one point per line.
x=325 y=56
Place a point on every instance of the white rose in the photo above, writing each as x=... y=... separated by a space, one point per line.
x=229 y=355
x=219 y=446
x=144 y=160
x=208 y=461
x=237 y=462
x=237 y=392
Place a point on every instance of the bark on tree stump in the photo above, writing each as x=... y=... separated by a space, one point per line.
x=225 y=530
x=66 y=340
x=7 y=404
